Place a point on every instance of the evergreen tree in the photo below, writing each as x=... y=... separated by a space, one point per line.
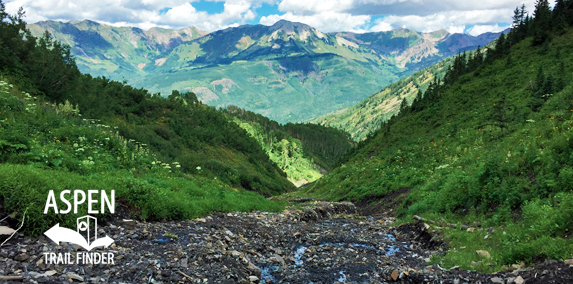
x=542 y=22
x=500 y=46
x=502 y=114
x=559 y=12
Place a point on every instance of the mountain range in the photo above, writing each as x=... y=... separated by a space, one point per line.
x=289 y=72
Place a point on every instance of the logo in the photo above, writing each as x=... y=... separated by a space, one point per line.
x=61 y=234
x=86 y=233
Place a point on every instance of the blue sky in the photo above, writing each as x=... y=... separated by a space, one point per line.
x=474 y=17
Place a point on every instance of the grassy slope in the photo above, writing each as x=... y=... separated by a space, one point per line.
x=287 y=90
x=287 y=152
x=366 y=117
x=451 y=164
x=103 y=50
x=43 y=147
x=303 y=151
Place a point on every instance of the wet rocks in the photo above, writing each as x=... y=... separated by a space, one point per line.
x=321 y=243
x=21 y=257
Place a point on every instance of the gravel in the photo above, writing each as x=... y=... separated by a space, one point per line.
x=322 y=243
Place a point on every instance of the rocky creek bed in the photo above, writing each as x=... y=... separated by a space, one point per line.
x=324 y=243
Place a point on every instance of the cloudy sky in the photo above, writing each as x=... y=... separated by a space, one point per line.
x=473 y=17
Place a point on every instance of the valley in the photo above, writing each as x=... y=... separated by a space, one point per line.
x=283 y=71
x=282 y=154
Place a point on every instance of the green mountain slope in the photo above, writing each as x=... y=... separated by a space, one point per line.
x=103 y=50
x=283 y=71
x=366 y=117
x=491 y=142
x=303 y=151
x=166 y=158
x=414 y=50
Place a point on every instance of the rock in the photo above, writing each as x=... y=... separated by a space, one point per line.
x=395 y=275
x=129 y=224
x=253 y=278
x=74 y=276
x=35 y=274
x=5 y=232
x=234 y=253
x=184 y=262
x=471 y=230
x=457 y=267
x=490 y=230
x=569 y=261
x=519 y=280
x=201 y=220
x=483 y=253
x=253 y=268
x=278 y=259
x=21 y=257
x=497 y=280
x=50 y=273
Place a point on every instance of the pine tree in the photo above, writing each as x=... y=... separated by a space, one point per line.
x=542 y=22
x=500 y=46
x=559 y=10
x=537 y=92
x=502 y=114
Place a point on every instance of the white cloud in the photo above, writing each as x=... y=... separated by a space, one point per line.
x=143 y=14
x=453 y=21
x=302 y=6
x=480 y=29
x=327 y=16
x=327 y=21
x=419 y=15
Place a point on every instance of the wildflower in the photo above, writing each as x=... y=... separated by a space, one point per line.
x=198 y=168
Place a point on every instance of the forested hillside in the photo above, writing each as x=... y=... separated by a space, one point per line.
x=367 y=116
x=289 y=72
x=491 y=143
x=304 y=151
x=168 y=158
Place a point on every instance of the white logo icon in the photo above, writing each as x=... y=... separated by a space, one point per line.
x=61 y=234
